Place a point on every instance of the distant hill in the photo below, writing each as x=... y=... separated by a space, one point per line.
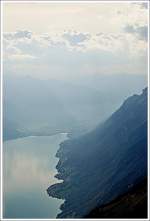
x=105 y=163
x=32 y=106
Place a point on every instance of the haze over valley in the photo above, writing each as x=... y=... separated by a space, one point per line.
x=75 y=109
x=45 y=107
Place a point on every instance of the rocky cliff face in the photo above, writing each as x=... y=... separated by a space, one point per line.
x=99 y=166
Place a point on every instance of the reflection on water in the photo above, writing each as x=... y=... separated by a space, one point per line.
x=29 y=168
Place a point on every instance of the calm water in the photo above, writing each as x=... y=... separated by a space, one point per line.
x=29 y=168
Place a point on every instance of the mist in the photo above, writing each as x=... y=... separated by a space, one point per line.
x=42 y=107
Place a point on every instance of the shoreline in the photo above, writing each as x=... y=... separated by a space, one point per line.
x=57 y=175
x=44 y=163
x=58 y=191
x=54 y=188
x=35 y=135
x=63 y=190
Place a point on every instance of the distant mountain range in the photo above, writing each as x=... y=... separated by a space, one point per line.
x=105 y=163
x=44 y=107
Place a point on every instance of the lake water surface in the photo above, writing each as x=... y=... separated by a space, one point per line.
x=29 y=169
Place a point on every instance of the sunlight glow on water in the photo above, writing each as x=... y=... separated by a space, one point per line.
x=29 y=169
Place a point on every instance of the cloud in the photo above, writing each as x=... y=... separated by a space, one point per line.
x=141 y=32
x=75 y=38
x=52 y=55
x=18 y=35
x=63 y=42
x=129 y=29
x=23 y=34
x=21 y=57
x=16 y=46
x=142 y=5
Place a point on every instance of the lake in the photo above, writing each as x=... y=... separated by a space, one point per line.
x=28 y=170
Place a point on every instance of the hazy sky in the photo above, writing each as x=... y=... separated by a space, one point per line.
x=57 y=40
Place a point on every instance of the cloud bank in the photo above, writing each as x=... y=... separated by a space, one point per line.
x=75 y=39
x=140 y=31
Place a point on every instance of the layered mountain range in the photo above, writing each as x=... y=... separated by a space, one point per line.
x=101 y=165
x=33 y=106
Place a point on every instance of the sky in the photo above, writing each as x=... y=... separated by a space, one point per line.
x=66 y=40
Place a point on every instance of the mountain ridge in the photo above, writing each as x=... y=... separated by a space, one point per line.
x=99 y=166
x=45 y=107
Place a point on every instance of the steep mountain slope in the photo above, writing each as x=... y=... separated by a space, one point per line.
x=101 y=165
x=132 y=204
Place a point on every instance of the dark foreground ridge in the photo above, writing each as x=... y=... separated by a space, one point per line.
x=102 y=165
x=132 y=204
